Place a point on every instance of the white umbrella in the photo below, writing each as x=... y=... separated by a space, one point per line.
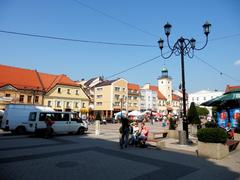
x=135 y=113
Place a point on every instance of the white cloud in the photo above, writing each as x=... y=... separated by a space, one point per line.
x=237 y=63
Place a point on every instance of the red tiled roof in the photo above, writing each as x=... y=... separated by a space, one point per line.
x=133 y=86
x=160 y=95
x=19 y=78
x=50 y=80
x=229 y=88
x=175 y=97
x=31 y=79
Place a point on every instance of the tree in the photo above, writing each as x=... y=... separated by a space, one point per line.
x=192 y=115
x=202 y=111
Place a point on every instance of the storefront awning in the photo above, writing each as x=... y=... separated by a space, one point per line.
x=84 y=110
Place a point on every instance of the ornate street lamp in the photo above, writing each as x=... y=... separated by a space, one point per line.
x=183 y=46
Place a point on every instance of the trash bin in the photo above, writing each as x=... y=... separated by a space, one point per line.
x=182 y=137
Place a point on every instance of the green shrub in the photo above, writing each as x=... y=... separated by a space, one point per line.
x=172 y=125
x=212 y=135
x=210 y=124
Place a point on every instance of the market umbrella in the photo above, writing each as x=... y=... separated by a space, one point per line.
x=229 y=99
x=135 y=113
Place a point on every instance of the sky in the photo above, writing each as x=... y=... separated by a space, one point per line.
x=124 y=22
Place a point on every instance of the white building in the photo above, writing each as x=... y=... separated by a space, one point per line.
x=203 y=96
x=148 y=100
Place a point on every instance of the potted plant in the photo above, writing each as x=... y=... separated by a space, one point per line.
x=212 y=143
x=193 y=119
x=172 y=132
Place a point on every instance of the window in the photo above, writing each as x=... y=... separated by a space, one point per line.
x=29 y=99
x=99 y=103
x=32 y=116
x=83 y=105
x=59 y=90
x=36 y=99
x=123 y=89
x=76 y=104
x=116 y=96
x=117 y=103
x=130 y=104
x=117 y=88
x=58 y=103
x=49 y=103
x=68 y=104
x=193 y=99
x=197 y=98
x=21 y=98
x=68 y=91
x=77 y=92
x=7 y=95
x=99 y=89
x=204 y=98
x=99 y=96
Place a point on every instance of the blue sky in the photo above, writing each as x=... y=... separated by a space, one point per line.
x=70 y=19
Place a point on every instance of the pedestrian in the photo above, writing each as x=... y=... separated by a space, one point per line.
x=125 y=132
x=49 y=123
x=143 y=134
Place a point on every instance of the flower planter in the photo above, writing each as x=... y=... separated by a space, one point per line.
x=212 y=150
x=193 y=130
x=172 y=134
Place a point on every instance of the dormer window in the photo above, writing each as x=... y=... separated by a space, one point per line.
x=59 y=90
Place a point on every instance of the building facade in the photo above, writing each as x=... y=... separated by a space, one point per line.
x=18 y=85
x=133 y=97
x=111 y=97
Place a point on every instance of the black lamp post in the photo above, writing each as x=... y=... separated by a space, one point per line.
x=183 y=47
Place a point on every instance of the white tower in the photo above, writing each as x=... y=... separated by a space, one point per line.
x=165 y=85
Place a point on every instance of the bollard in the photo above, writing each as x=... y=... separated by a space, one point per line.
x=182 y=137
x=97 y=127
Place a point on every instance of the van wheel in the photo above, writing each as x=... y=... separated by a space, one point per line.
x=81 y=131
x=20 y=130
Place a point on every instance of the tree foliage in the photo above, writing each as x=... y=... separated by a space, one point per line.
x=202 y=111
x=192 y=115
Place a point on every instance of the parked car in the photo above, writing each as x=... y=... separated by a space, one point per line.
x=15 y=117
x=63 y=122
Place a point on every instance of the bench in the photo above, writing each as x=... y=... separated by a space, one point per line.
x=152 y=135
x=232 y=144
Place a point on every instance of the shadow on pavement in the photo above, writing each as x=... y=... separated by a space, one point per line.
x=83 y=157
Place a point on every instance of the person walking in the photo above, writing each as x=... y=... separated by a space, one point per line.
x=49 y=124
x=125 y=132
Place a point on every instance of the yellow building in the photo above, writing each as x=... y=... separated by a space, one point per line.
x=133 y=97
x=65 y=95
x=111 y=97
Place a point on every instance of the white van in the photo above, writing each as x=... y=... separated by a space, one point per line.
x=63 y=122
x=15 y=117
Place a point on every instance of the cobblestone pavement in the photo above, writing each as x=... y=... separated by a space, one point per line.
x=99 y=157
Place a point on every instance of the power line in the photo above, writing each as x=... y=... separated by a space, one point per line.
x=128 y=69
x=225 y=37
x=76 y=40
x=217 y=70
x=116 y=19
